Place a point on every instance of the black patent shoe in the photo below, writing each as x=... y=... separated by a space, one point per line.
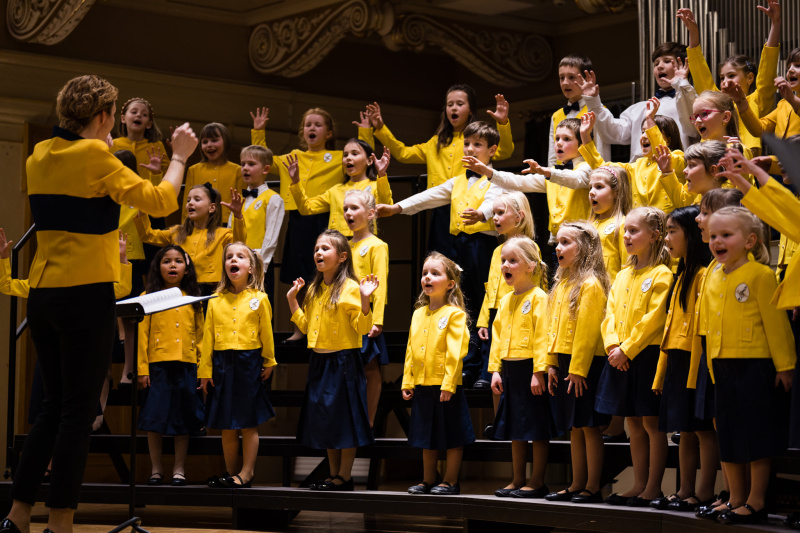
x=482 y=384
x=616 y=499
x=586 y=496
x=344 y=486
x=230 y=482
x=422 y=488
x=636 y=501
x=446 y=489
x=711 y=513
x=155 y=479
x=792 y=520
x=561 y=496
x=662 y=503
x=7 y=526
x=215 y=482
x=686 y=506
x=504 y=493
x=755 y=517
x=541 y=492
x=676 y=437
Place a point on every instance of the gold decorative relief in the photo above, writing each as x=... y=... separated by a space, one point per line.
x=293 y=46
x=44 y=21
x=600 y=6
x=504 y=58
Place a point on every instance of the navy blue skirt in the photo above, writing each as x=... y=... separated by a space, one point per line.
x=374 y=347
x=239 y=398
x=704 y=405
x=521 y=415
x=334 y=412
x=298 y=247
x=678 y=401
x=630 y=393
x=794 y=421
x=752 y=414
x=437 y=425
x=171 y=405
x=571 y=412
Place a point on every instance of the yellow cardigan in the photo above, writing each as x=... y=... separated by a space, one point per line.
x=519 y=330
x=334 y=327
x=371 y=256
x=172 y=335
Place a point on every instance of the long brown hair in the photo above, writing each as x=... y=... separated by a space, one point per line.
x=344 y=271
x=255 y=278
x=214 y=218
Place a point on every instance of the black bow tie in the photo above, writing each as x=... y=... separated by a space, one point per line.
x=567 y=165
x=473 y=174
x=574 y=106
x=250 y=192
x=661 y=93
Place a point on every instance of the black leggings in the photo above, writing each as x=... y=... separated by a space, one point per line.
x=73 y=331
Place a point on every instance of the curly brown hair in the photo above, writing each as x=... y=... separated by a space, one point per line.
x=82 y=99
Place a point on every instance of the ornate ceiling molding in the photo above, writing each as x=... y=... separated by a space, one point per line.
x=45 y=21
x=504 y=58
x=293 y=46
x=600 y=6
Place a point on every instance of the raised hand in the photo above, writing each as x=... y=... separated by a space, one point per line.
x=154 y=154
x=533 y=167
x=363 y=120
x=587 y=125
x=734 y=90
x=472 y=163
x=500 y=114
x=292 y=168
x=260 y=118
x=786 y=93
x=681 y=68
x=663 y=158
x=772 y=10
x=383 y=163
x=369 y=285
x=588 y=84
x=687 y=17
x=236 y=203
x=652 y=107
x=374 y=114
x=123 y=248
x=184 y=141
x=297 y=284
x=5 y=245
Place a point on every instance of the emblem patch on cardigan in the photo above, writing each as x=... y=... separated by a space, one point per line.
x=364 y=250
x=742 y=293
x=368 y=188
x=646 y=284
x=328 y=157
x=254 y=304
x=443 y=322
x=257 y=206
x=526 y=307
x=610 y=228
x=483 y=185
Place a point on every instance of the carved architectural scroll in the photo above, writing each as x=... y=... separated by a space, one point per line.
x=600 y=6
x=504 y=58
x=44 y=21
x=293 y=46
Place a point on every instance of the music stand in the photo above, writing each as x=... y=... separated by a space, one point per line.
x=134 y=310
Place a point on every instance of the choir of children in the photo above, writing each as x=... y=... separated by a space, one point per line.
x=706 y=351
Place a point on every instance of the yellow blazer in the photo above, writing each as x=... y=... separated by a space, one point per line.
x=21 y=287
x=611 y=233
x=437 y=344
x=237 y=322
x=636 y=309
x=338 y=327
x=679 y=327
x=580 y=336
x=332 y=200
x=319 y=171
x=371 y=256
x=519 y=330
x=445 y=163
x=208 y=259
x=172 y=335
x=496 y=287
x=565 y=204
x=75 y=188
x=742 y=323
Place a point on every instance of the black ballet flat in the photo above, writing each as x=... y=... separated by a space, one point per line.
x=155 y=479
x=421 y=488
x=616 y=499
x=178 y=480
x=710 y=513
x=504 y=493
x=344 y=486
x=230 y=482
x=541 y=492
x=446 y=489
x=755 y=517
x=561 y=496
x=662 y=503
x=7 y=526
x=587 y=496
x=215 y=482
x=636 y=501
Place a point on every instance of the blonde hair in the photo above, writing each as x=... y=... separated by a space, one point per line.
x=260 y=153
x=83 y=98
x=454 y=295
x=722 y=102
x=529 y=252
x=619 y=182
x=255 y=279
x=656 y=221
x=368 y=201
x=343 y=272
x=517 y=202
x=153 y=133
x=748 y=223
x=588 y=265
x=326 y=117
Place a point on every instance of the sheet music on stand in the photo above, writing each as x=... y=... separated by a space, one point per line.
x=135 y=309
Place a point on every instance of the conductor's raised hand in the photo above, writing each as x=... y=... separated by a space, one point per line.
x=500 y=114
x=184 y=141
x=369 y=284
x=290 y=163
x=260 y=118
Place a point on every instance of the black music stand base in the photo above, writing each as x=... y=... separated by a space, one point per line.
x=133 y=523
